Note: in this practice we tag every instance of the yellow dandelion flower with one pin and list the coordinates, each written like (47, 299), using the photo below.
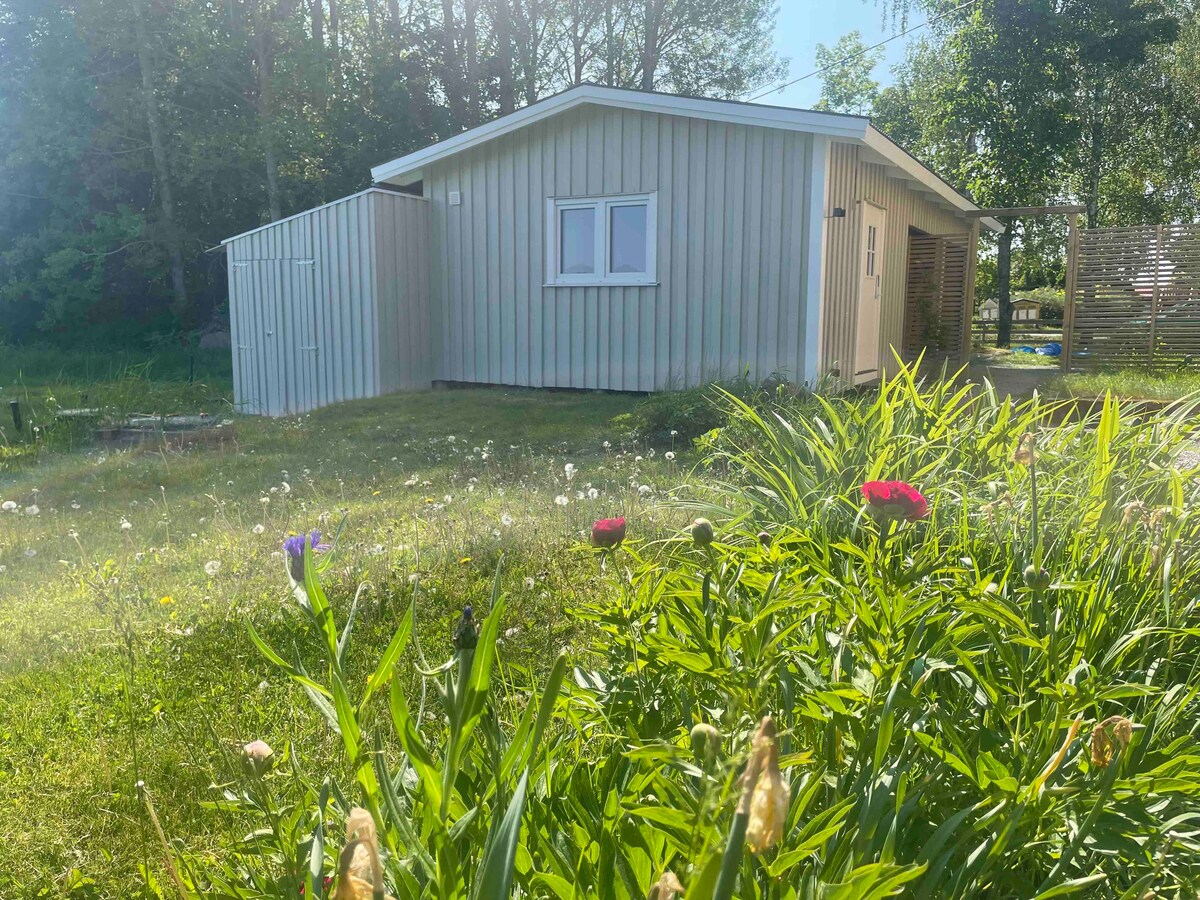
(464, 560)
(167, 600)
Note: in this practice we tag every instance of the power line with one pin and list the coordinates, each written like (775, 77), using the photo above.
(864, 51)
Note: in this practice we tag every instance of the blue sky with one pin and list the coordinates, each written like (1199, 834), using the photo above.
(802, 24)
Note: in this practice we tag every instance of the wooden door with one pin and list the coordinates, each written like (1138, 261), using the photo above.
(870, 293)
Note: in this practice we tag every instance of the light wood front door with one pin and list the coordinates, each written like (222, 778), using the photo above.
(870, 293)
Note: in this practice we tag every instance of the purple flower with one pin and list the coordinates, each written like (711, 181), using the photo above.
(295, 552)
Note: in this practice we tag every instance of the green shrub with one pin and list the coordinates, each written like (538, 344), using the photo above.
(673, 418)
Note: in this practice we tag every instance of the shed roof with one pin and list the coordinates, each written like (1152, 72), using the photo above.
(407, 169)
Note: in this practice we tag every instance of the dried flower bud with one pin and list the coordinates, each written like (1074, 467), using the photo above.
(1026, 453)
(771, 797)
(1109, 738)
(360, 872)
(702, 532)
(1038, 579)
(1133, 512)
(665, 888)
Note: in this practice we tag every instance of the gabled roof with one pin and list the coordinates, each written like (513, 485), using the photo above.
(407, 169)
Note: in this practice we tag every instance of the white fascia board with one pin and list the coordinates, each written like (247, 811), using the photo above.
(832, 124)
(370, 190)
(901, 159)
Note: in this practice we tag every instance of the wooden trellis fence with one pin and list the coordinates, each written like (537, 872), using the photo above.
(1134, 299)
(938, 297)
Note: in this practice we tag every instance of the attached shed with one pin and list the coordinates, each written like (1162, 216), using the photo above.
(610, 239)
(331, 304)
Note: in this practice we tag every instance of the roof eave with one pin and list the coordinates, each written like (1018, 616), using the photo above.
(923, 175)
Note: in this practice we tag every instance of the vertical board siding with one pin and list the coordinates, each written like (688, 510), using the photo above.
(402, 292)
(731, 232)
(852, 181)
(331, 305)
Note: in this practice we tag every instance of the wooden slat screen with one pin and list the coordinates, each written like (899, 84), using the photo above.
(1137, 300)
(936, 298)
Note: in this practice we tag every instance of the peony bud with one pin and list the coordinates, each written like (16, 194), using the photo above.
(1038, 579)
(258, 755)
(706, 740)
(702, 532)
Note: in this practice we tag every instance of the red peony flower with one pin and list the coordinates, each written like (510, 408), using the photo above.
(608, 533)
(895, 500)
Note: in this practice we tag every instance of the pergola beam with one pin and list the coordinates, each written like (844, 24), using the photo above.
(1022, 211)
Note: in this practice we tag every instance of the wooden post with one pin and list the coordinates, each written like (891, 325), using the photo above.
(14, 407)
(1156, 297)
(969, 293)
(1072, 282)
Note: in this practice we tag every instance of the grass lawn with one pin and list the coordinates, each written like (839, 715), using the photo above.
(927, 622)
(1131, 384)
(148, 562)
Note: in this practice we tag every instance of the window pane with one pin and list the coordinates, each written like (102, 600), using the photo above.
(577, 255)
(627, 239)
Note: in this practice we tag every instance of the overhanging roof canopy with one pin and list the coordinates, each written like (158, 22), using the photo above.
(407, 169)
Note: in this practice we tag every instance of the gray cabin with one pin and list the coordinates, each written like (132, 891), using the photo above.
(610, 239)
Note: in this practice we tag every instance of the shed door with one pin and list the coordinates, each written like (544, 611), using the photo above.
(870, 293)
(302, 350)
(260, 343)
(277, 336)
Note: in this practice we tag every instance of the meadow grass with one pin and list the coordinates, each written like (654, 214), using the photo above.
(103, 586)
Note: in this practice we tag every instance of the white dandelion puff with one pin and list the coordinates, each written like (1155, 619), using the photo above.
(212, 567)
(562, 500)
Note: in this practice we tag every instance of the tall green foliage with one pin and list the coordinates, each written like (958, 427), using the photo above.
(138, 133)
(997, 699)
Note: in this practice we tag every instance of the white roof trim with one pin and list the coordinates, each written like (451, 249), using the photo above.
(370, 190)
(832, 124)
(407, 169)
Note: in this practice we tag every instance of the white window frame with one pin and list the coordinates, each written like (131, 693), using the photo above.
(602, 230)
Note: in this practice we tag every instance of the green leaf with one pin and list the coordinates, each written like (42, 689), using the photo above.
(559, 886)
(1074, 886)
(418, 753)
(383, 671)
(495, 876)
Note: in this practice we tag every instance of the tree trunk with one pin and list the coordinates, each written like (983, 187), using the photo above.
(372, 21)
(1096, 155)
(610, 50)
(316, 13)
(335, 54)
(265, 64)
(1004, 285)
(158, 148)
(504, 50)
(649, 60)
(471, 47)
(529, 43)
(456, 95)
